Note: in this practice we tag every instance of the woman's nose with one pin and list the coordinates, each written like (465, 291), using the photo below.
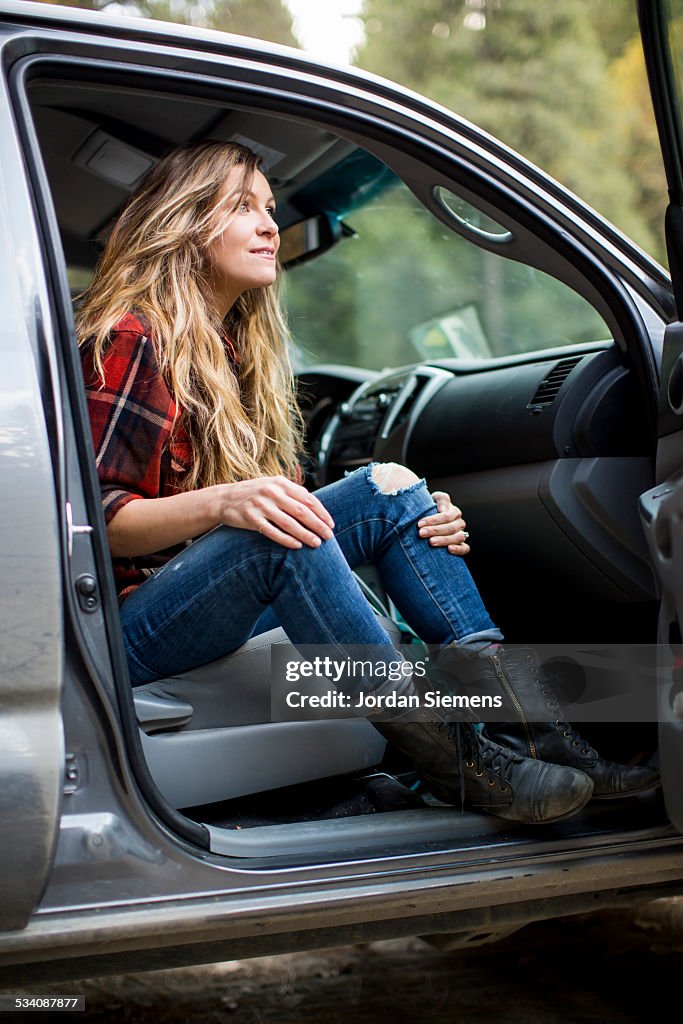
(268, 226)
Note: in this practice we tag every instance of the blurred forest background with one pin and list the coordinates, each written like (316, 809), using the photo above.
(563, 83)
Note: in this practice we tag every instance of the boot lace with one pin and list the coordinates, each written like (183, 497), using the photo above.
(495, 759)
(485, 756)
(568, 730)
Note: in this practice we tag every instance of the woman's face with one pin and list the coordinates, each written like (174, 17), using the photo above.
(243, 256)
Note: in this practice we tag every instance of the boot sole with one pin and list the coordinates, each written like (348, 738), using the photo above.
(518, 821)
(631, 792)
(546, 821)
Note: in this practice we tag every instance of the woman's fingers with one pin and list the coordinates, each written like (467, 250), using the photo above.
(456, 543)
(452, 536)
(277, 508)
(445, 528)
(317, 506)
(281, 508)
(291, 526)
(459, 549)
(306, 518)
(442, 500)
(304, 497)
(438, 530)
(446, 513)
(267, 529)
(295, 512)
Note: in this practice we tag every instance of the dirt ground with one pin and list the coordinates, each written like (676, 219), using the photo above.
(613, 968)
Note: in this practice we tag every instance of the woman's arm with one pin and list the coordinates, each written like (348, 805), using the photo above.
(273, 505)
(132, 414)
(147, 525)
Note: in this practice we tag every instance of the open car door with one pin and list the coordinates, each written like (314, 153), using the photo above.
(661, 26)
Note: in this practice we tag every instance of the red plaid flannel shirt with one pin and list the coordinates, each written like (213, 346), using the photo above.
(141, 447)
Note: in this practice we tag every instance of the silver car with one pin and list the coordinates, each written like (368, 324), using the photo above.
(515, 349)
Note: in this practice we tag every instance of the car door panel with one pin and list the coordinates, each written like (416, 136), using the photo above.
(661, 506)
(31, 654)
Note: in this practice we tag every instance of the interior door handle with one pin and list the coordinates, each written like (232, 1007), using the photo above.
(71, 529)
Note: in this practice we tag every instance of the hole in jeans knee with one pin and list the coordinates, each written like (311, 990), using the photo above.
(391, 478)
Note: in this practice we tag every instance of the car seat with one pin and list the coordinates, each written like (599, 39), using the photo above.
(207, 734)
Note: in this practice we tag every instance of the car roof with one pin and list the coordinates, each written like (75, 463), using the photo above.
(73, 116)
(90, 134)
(408, 109)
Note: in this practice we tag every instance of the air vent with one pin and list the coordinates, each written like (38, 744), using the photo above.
(548, 389)
(411, 392)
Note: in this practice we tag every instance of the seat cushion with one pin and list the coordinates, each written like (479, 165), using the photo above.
(208, 737)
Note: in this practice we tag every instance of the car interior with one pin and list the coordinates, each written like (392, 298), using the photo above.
(430, 327)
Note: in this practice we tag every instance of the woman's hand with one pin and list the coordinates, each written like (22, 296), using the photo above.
(445, 529)
(277, 508)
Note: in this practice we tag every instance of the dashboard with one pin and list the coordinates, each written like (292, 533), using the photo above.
(552, 452)
(444, 421)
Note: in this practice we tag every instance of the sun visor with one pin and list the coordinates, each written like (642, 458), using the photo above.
(115, 161)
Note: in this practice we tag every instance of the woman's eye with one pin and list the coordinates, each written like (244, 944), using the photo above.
(244, 207)
(270, 210)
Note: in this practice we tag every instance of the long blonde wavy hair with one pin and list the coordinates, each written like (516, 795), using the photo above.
(156, 264)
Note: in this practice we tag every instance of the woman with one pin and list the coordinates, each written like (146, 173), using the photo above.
(197, 436)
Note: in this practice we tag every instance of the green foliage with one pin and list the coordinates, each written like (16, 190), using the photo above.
(539, 76)
(563, 83)
(615, 23)
(263, 19)
(85, 5)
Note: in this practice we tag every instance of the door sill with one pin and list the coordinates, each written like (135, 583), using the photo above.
(441, 828)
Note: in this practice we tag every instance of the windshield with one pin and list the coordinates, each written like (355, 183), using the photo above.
(401, 287)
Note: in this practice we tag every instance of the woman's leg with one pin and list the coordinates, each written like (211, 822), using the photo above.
(435, 593)
(206, 601)
(437, 596)
(434, 590)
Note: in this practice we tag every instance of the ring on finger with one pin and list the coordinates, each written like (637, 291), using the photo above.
(465, 534)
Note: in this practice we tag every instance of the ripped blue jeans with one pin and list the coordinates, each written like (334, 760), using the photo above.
(232, 584)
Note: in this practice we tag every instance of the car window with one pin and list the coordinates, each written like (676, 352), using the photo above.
(78, 278)
(674, 15)
(401, 287)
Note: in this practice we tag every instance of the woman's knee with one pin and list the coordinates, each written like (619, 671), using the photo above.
(391, 477)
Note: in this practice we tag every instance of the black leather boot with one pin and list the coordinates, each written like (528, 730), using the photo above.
(518, 677)
(461, 766)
